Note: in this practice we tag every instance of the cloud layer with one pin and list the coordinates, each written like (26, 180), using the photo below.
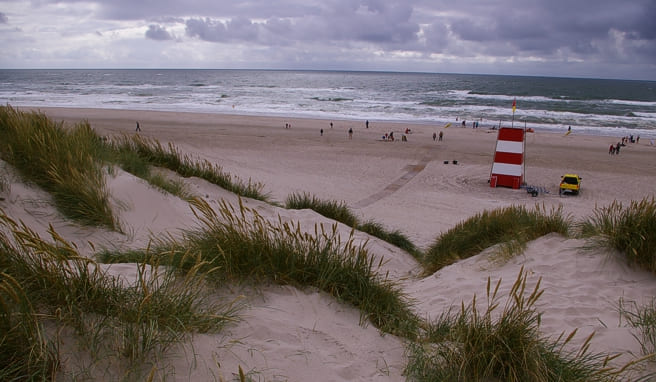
(591, 38)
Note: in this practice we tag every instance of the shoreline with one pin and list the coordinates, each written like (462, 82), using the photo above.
(437, 123)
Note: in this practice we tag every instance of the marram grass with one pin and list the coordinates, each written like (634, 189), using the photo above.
(512, 226)
(154, 153)
(61, 161)
(339, 211)
(241, 245)
(465, 344)
(114, 323)
(643, 318)
(629, 229)
(25, 353)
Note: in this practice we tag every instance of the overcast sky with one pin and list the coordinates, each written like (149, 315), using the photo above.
(573, 38)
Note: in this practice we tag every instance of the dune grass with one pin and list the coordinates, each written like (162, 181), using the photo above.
(241, 245)
(340, 212)
(137, 149)
(62, 161)
(512, 226)
(643, 318)
(629, 229)
(115, 323)
(25, 353)
(466, 344)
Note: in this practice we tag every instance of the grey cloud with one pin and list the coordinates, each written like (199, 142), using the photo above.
(206, 29)
(549, 31)
(159, 33)
(237, 30)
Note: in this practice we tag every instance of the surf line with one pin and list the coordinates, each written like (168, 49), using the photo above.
(411, 172)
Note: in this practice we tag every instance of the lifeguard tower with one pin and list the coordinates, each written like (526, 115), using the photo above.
(508, 166)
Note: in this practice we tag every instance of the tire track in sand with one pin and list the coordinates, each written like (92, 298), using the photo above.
(410, 172)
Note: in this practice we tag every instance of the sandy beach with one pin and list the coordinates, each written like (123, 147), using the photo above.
(420, 186)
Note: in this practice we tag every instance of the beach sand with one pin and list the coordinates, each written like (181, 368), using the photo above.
(298, 335)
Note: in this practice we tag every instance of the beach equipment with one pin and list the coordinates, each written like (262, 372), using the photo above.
(508, 166)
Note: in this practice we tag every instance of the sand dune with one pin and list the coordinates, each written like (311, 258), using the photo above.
(301, 335)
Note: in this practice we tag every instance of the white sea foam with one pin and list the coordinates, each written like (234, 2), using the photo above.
(418, 98)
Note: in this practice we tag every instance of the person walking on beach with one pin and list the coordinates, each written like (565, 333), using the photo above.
(366, 124)
(321, 132)
(138, 128)
(440, 136)
(434, 137)
(331, 125)
(350, 133)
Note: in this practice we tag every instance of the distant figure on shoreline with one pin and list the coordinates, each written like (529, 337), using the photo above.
(321, 132)
(350, 133)
(434, 137)
(138, 128)
(440, 137)
(366, 124)
(331, 125)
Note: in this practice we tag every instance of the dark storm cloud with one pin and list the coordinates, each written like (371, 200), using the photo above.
(159, 33)
(369, 21)
(599, 32)
(583, 28)
(545, 26)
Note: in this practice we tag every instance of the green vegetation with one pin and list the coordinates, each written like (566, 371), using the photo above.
(139, 149)
(630, 230)
(241, 245)
(513, 226)
(5, 185)
(49, 282)
(340, 212)
(25, 354)
(643, 318)
(61, 161)
(467, 345)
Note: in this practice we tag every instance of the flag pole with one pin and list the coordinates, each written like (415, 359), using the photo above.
(513, 116)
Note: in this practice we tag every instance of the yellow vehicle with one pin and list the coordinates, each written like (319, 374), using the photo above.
(570, 184)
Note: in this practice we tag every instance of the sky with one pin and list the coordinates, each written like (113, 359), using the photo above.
(567, 38)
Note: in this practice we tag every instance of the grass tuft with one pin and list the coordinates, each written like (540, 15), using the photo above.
(61, 161)
(468, 345)
(25, 353)
(630, 230)
(512, 226)
(240, 245)
(114, 321)
(140, 149)
(643, 318)
(340, 212)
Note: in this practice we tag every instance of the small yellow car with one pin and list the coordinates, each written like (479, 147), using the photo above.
(570, 184)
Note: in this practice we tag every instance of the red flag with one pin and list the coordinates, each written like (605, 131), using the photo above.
(514, 105)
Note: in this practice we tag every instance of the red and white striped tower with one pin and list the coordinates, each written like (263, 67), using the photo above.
(508, 165)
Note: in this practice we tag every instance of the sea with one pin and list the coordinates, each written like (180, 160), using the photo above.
(605, 107)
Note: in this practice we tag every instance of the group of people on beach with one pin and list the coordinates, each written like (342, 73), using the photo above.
(615, 149)
(386, 137)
